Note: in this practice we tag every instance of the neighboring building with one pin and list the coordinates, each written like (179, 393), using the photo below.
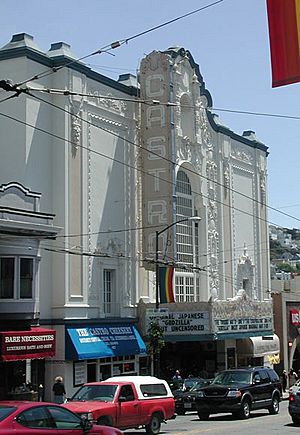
(72, 165)
(286, 304)
(194, 165)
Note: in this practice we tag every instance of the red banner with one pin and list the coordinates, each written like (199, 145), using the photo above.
(20, 345)
(295, 317)
(284, 34)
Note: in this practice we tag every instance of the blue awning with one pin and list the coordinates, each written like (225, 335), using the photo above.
(102, 341)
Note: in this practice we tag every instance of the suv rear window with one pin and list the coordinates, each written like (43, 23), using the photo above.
(150, 390)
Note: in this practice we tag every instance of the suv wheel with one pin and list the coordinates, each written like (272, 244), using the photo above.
(203, 415)
(153, 428)
(296, 420)
(274, 408)
(245, 410)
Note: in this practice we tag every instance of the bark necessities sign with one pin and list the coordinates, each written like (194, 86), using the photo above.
(20, 345)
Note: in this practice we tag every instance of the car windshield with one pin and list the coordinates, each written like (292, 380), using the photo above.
(198, 385)
(5, 411)
(232, 377)
(103, 393)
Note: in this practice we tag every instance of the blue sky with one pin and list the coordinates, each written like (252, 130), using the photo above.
(230, 43)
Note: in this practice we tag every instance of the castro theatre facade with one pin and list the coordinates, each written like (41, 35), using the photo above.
(193, 165)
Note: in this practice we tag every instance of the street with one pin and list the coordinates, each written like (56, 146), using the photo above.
(260, 423)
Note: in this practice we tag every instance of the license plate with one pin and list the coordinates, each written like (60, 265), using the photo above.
(188, 405)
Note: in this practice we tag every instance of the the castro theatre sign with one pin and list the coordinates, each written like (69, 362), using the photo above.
(158, 173)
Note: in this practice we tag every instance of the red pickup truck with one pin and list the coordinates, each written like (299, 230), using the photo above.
(125, 402)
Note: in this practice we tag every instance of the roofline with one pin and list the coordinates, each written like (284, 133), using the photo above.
(74, 64)
(204, 92)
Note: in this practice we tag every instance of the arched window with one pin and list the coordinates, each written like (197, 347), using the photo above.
(187, 285)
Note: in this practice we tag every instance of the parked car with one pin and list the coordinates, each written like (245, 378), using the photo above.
(31, 418)
(294, 405)
(125, 402)
(239, 391)
(185, 398)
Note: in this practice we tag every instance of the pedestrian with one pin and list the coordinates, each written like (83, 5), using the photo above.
(59, 390)
(292, 377)
(177, 376)
(284, 380)
(40, 393)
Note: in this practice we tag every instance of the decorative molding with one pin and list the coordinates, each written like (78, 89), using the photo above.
(189, 152)
(239, 154)
(226, 175)
(117, 106)
(263, 178)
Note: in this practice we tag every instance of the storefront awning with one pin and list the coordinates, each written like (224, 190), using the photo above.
(101, 341)
(20, 345)
(259, 346)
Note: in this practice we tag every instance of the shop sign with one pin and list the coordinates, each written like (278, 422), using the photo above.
(20, 345)
(180, 323)
(295, 317)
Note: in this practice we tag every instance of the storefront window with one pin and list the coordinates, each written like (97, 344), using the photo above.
(7, 274)
(16, 278)
(26, 277)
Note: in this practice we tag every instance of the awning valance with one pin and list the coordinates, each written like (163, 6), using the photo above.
(101, 341)
(20, 345)
(259, 346)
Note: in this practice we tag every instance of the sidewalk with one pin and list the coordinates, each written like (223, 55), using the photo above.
(285, 395)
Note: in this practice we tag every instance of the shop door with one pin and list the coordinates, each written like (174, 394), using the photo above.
(91, 371)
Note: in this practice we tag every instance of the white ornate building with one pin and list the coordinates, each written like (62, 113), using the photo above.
(100, 169)
(195, 166)
(75, 154)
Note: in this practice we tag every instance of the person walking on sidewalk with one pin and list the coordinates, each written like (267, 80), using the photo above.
(284, 380)
(59, 390)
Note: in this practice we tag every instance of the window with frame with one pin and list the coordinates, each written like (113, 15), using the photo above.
(108, 290)
(187, 285)
(16, 277)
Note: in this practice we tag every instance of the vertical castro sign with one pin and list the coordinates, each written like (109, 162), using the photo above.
(158, 174)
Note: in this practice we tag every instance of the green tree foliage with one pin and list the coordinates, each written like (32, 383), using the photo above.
(155, 338)
(285, 267)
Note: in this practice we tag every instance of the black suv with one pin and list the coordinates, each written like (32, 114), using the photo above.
(239, 391)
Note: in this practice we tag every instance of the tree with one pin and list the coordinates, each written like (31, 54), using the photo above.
(156, 342)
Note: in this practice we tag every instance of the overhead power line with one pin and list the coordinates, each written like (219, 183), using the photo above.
(113, 45)
(67, 92)
(169, 161)
(139, 169)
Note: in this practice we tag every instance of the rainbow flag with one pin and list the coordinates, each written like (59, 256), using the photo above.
(284, 34)
(166, 284)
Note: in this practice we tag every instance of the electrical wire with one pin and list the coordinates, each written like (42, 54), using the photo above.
(65, 92)
(139, 169)
(107, 48)
(173, 163)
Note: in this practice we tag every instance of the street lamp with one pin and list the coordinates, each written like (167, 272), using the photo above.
(158, 233)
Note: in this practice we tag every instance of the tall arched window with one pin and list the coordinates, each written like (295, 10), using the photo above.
(187, 285)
